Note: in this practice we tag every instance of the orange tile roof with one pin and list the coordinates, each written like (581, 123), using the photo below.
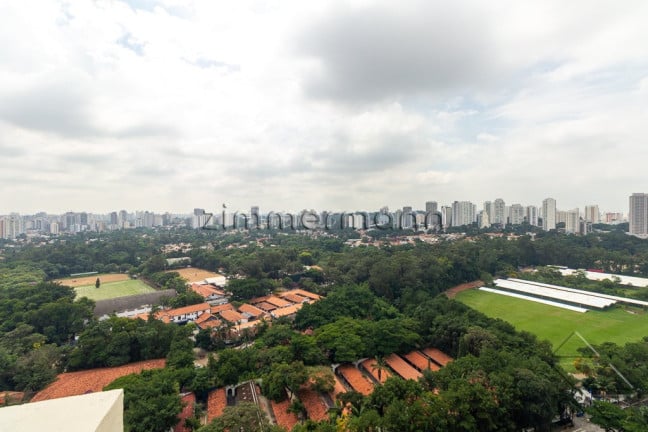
(285, 311)
(294, 297)
(216, 403)
(187, 309)
(355, 379)
(284, 418)
(304, 293)
(370, 366)
(401, 367)
(279, 302)
(265, 306)
(204, 317)
(438, 356)
(338, 388)
(315, 406)
(420, 361)
(231, 316)
(188, 402)
(92, 380)
(252, 310)
(215, 323)
(205, 290)
(220, 308)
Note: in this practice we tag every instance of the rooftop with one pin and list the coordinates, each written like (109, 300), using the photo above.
(401, 367)
(95, 412)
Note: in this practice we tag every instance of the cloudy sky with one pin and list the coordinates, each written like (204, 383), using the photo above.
(171, 104)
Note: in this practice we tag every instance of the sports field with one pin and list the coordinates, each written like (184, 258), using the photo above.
(90, 280)
(192, 274)
(110, 290)
(555, 324)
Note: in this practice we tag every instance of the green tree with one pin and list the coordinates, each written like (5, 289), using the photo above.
(244, 417)
(97, 283)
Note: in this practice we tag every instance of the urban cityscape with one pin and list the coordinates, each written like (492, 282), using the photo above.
(496, 213)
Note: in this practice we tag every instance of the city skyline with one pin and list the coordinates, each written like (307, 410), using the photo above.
(169, 106)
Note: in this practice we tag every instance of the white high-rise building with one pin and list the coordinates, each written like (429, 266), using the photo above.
(463, 213)
(517, 214)
(532, 215)
(549, 214)
(572, 221)
(638, 216)
(499, 212)
(592, 214)
(446, 216)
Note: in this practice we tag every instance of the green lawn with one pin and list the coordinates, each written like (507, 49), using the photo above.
(555, 324)
(110, 290)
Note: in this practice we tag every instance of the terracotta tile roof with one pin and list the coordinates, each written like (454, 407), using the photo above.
(338, 388)
(93, 380)
(220, 308)
(355, 379)
(279, 302)
(304, 293)
(187, 309)
(370, 366)
(252, 310)
(265, 306)
(284, 418)
(203, 317)
(438, 356)
(294, 298)
(188, 402)
(205, 290)
(212, 323)
(401, 367)
(315, 406)
(420, 361)
(216, 403)
(231, 316)
(285, 311)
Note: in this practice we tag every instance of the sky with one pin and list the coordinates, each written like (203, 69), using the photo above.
(172, 104)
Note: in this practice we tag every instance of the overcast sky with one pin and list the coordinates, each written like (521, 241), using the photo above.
(170, 105)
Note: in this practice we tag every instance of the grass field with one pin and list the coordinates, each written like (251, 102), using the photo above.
(555, 325)
(90, 280)
(110, 290)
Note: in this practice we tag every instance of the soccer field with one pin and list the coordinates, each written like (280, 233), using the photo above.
(110, 290)
(555, 324)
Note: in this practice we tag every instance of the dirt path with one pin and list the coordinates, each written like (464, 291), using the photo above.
(452, 292)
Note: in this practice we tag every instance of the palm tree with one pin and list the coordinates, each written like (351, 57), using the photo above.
(379, 366)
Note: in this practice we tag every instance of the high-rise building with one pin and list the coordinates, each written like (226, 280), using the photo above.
(572, 221)
(592, 214)
(638, 216)
(489, 211)
(549, 214)
(463, 213)
(499, 212)
(446, 216)
(531, 215)
(613, 218)
(517, 214)
(407, 218)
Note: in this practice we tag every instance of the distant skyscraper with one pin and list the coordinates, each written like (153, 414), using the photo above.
(488, 209)
(408, 218)
(532, 215)
(463, 213)
(549, 214)
(638, 216)
(431, 206)
(572, 221)
(499, 210)
(446, 216)
(517, 214)
(592, 214)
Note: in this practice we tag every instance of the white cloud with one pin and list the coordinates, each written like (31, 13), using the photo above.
(168, 105)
